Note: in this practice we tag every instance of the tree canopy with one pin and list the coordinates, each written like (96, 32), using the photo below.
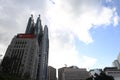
(102, 76)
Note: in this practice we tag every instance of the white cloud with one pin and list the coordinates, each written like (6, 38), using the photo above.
(88, 61)
(104, 17)
(109, 0)
(116, 19)
(63, 51)
(76, 19)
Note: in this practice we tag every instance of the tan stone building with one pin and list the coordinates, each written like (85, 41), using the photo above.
(72, 73)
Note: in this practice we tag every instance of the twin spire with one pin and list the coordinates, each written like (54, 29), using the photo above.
(34, 28)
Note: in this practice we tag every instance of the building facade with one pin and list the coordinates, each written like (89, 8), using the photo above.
(60, 72)
(27, 55)
(51, 73)
(112, 71)
(73, 73)
(21, 57)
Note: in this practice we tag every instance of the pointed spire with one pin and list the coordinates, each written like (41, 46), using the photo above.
(46, 28)
(38, 18)
(38, 25)
(31, 15)
(30, 25)
(46, 31)
(39, 15)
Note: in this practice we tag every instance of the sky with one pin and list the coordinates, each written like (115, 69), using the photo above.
(84, 33)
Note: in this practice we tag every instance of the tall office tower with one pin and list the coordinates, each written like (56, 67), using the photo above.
(116, 64)
(118, 58)
(27, 55)
(73, 73)
(44, 56)
(21, 58)
(51, 73)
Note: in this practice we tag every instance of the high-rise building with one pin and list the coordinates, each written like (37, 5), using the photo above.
(116, 64)
(22, 57)
(51, 73)
(73, 73)
(118, 58)
(27, 55)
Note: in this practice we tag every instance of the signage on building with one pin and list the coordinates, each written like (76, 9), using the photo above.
(25, 36)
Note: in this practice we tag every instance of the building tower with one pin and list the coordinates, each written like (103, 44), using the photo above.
(27, 55)
(118, 58)
(116, 63)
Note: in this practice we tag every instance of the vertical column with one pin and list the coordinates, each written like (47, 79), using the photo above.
(43, 75)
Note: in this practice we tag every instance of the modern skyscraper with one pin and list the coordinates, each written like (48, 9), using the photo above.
(72, 73)
(27, 55)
